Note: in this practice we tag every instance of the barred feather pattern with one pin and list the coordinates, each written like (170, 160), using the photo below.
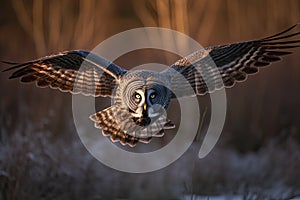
(71, 71)
(126, 131)
(215, 67)
(105, 120)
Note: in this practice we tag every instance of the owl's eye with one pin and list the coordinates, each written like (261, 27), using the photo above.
(153, 95)
(137, 96)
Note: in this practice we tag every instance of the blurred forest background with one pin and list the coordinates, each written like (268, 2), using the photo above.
(41, 156)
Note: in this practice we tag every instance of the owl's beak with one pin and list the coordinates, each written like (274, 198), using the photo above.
(145, 107)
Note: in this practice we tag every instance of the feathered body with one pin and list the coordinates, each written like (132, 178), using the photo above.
(129, 119)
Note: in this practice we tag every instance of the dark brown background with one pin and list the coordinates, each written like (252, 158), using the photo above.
(41, 154)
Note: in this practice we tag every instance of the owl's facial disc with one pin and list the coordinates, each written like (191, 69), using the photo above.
(146, 103)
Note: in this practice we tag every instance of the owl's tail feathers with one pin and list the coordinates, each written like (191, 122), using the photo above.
(105, 120)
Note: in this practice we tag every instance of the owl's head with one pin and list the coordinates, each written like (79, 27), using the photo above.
(145, 95)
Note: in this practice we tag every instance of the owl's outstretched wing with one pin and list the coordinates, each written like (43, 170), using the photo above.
(76, 71)
(233, 62)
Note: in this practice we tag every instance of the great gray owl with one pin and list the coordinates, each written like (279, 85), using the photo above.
(141, 97)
